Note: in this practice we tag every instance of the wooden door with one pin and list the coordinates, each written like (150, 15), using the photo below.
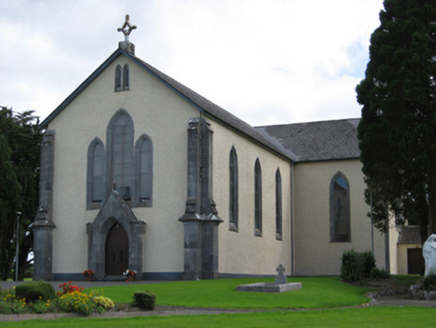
(117, 251)
(415, 261)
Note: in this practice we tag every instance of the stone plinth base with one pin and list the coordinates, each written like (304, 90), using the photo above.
(264, 287)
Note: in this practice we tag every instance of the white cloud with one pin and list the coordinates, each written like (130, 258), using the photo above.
(274, 61)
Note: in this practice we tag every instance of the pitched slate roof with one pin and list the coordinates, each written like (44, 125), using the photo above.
(205, 106)
(212, 110)
(409, 235)
(316, 141)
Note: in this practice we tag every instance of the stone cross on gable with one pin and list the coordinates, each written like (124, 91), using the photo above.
(127, 28)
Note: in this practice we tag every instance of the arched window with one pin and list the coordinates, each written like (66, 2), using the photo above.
(257, 199)
(233, 191)
(95, 179)
(279, 205)
(126, 77)
(144, 150)
(339, 209)
(129, 169)
(120, 145)
(118, 78)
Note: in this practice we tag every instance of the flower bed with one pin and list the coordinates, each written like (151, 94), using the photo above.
(70, 298)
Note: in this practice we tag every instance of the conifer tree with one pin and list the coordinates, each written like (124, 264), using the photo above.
(10, 201)
(20, 139)
(397, 132)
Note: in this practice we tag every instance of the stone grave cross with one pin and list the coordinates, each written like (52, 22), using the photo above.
(281, 278)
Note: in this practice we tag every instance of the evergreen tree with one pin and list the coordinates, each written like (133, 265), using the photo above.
(397, 132)
(10, 202)
(19, 167)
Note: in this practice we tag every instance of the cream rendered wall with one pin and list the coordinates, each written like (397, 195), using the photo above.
(402, 257)
(242, 252)
(156, 111)
(314, 253)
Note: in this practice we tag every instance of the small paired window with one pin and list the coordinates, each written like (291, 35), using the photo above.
(122, 78)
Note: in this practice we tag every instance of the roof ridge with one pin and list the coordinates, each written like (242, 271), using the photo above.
(307, 123)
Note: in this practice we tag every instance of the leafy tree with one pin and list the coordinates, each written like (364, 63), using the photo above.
(398, 126)
(20, 139)
(10, 201)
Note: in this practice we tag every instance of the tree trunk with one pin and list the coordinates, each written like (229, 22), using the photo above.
(432, 204)
(422, 212)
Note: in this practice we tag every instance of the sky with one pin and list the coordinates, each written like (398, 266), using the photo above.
(265, 61)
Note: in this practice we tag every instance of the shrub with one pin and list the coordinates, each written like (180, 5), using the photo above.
(104, 302)
(349, 267)
(379, 273)
(429, 282)
(367, 262)
(35, 290)
(356, 266)
(144, 300)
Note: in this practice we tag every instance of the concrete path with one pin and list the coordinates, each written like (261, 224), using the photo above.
(400, 300)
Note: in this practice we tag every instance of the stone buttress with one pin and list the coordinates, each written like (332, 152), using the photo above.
(201, 217)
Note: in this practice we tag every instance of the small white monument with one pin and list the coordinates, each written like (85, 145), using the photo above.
(429, 253)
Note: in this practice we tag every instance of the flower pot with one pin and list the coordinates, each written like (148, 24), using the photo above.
(131, 278)
(88, 278)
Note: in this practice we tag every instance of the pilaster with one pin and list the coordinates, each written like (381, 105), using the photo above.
(43, 225)
(201, 217)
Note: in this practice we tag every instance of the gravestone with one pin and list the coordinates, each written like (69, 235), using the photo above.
(279, 286)
(281, 278)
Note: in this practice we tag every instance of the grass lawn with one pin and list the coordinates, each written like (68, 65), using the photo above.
(386, 317)
(406, 280)
(319, 292)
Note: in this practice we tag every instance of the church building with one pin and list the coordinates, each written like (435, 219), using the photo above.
(140, 172)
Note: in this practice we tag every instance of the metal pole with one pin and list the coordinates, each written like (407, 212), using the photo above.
(18, 239)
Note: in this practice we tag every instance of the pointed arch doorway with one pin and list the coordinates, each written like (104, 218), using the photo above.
(104, 246)
(116, 251)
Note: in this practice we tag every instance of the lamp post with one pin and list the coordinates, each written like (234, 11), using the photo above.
(18, 240)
